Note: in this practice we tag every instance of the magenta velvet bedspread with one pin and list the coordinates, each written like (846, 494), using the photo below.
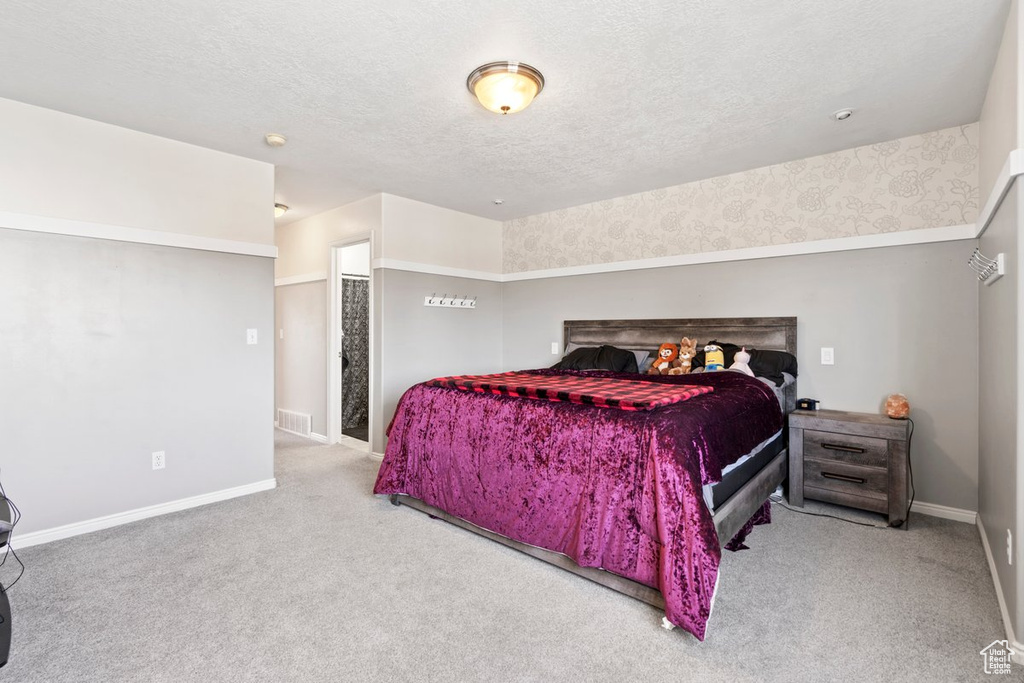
(619, 490)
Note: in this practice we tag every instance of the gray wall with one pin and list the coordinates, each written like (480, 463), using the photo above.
(420, 342)
(998, 405)
(112, 351)
(301, 357)
(900, 319)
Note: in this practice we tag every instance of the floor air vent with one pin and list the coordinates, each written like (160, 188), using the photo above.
(296, 423)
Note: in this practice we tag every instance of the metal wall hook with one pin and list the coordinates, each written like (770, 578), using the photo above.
(453, 301)
(988, 270)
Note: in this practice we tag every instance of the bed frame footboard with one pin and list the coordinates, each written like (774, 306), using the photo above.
(617, 583)
(729, 519)
(741, 506)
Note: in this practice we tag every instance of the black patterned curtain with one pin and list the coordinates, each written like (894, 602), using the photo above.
(355, 377)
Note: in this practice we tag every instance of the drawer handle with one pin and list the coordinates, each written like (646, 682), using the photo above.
(840, 447)
(843, 477)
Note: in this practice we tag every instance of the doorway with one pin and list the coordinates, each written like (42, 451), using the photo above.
(351, 292)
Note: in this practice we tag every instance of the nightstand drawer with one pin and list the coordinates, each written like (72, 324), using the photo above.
(849, 448)
(843, 498)
(868, 482)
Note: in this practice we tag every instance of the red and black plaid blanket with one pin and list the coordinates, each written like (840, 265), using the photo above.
(603, 392)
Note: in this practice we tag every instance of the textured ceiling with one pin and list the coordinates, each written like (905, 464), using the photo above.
(372, 96)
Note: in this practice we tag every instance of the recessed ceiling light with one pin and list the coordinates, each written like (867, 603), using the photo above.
(276, 139)
(499, 202)
(842, 114)
(280, 210)
(505, 87)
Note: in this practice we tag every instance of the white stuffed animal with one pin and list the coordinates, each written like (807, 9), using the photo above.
(740, 362)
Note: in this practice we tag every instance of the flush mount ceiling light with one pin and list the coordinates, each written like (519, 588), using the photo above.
(275, 139)
(505, 87)
(842, 114)
(280, 210)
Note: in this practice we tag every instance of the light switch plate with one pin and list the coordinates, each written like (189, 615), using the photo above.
(554, 348)
(828, 355)
(250, 336)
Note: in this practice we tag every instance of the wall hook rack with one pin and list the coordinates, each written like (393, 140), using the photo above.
(988, 270)
(453, 301)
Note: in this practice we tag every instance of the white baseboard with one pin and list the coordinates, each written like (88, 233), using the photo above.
(933, 510)
(1018, 648)
(318, 437)
(311, 437)
(377, 456)
(76, 529)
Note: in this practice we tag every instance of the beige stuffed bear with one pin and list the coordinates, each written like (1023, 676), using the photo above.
(687, 350)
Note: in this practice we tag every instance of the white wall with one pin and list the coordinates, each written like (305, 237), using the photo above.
(1000, 130)
(300, 365)
(355, 259)
(114, 350)
(998, 404)
(425, 342)
(304, 250)
(303, 246)
(428, 234)
(1000, 488)
(62, 166)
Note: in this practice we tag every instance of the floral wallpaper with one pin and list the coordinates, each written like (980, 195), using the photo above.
(922, 181)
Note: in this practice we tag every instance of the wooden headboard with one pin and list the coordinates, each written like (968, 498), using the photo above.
(777, 334)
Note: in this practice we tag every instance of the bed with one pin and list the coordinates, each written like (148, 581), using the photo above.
(635, 500)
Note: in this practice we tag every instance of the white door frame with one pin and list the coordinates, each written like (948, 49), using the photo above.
(334, 347)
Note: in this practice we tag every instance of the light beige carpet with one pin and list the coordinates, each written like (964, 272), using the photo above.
(320, 581)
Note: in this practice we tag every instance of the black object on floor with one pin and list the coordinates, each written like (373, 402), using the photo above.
(362, 432)
(7, 521)
(5, 626)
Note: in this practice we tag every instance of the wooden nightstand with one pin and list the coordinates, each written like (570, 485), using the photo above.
(854, 459)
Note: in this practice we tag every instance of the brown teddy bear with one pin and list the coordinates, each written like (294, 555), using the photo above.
(667, 360)
(687, 350)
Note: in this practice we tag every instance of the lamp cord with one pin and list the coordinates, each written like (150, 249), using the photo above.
(778, 501)
(910, 471)
(15, 518)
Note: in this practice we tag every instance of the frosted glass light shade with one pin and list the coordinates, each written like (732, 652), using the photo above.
(505, 87)
(280, 210)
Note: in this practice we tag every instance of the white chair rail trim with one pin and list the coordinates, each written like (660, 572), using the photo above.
(122, 233)
(889, 239)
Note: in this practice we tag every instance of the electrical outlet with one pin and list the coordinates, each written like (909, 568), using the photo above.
(250, 336)
(828, 355)
(1009, 547)
(554, 348)
(159, 460)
